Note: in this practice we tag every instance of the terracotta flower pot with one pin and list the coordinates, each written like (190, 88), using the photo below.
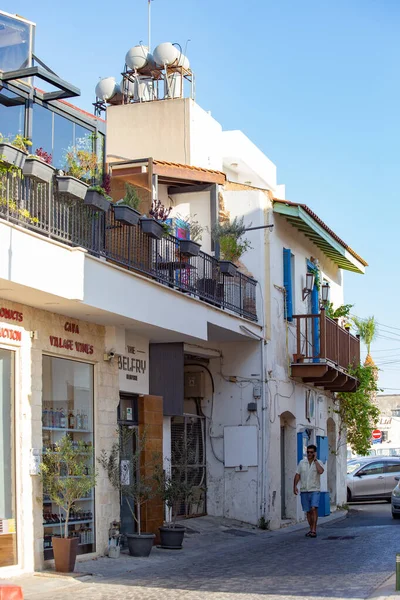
(65, 551)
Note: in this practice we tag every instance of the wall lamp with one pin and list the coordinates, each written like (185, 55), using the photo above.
(325, 292)
(310, 281)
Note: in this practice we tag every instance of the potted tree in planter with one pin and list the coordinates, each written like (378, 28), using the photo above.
(175, 488)
(67, 474)
(81, 166)
(190, 246)
(155, 225)
(126, 209)
(126, 474)
(38, 166)
(229, 236)
(14, 153)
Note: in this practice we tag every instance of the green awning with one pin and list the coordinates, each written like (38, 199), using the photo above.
(314, 229)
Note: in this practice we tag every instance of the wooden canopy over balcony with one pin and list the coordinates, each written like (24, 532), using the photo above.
(325, 353)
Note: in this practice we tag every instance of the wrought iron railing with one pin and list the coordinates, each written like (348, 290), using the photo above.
(320, 338)
(38, 207)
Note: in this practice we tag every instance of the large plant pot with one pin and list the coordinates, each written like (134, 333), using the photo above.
(97, 201)
(189, 248)
(12, 156)
(140, 545)
(152, 228)
(228, 268)
(126, 214)
(172, 537)
(72, 187)
(38, 170)
(65, 551)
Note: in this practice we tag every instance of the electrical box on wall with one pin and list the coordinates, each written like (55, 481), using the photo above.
(194, 384)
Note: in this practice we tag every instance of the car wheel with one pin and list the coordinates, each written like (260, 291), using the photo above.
(348, 495)
(395, 515)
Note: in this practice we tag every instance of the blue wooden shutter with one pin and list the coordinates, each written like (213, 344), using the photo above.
(287, 283)
(322, 448)
(300, 452)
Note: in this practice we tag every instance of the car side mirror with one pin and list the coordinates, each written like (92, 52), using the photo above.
(397, 478)
(360, 473)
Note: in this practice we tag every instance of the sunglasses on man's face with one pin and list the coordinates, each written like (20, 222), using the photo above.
(310, 451)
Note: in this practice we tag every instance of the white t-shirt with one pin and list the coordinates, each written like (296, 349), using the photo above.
(309, 476)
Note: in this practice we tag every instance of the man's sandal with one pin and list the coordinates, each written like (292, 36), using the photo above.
(309, 534)
(312, 534)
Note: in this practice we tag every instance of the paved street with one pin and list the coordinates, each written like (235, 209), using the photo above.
(349, 559)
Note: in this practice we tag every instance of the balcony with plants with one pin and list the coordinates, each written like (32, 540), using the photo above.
(116, 220)
(327, 353)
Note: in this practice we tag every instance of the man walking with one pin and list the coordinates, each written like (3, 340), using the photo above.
(308, 472)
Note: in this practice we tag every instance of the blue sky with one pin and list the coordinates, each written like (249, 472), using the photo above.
(314, 84)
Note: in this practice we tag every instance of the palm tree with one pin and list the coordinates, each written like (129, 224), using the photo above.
(367, 329)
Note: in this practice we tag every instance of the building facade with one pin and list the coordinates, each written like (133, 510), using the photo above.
(104, 324)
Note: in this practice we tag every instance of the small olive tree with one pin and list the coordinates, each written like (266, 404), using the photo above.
(67, 474)
(128, 473)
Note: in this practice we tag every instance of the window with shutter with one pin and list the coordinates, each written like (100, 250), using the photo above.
(288, 282)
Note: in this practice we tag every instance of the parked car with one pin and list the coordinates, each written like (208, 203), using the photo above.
(372, 478)
(396, 500)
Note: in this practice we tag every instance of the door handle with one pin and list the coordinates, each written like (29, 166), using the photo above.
(381, 477)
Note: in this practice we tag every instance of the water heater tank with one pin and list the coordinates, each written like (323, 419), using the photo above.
(106, 88)
(165, 54)
(128, 87)
(183, 61)
(137, 57)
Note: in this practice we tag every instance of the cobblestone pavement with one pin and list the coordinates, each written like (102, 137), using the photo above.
(343, 562)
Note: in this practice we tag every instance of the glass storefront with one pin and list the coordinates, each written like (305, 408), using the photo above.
(8, 535)
(67, 409)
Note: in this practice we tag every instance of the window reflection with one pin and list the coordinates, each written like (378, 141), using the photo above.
(42, 129)
(15, 43)
(12, 114)
(63, 138)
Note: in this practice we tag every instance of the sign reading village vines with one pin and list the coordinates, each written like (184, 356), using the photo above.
(133, 367)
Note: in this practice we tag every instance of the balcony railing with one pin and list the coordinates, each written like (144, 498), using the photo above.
(38, 207)
(320, 338)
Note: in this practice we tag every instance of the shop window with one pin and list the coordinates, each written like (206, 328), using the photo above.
(42, 129)
(8, 541)
(12, 114)
(68, 410)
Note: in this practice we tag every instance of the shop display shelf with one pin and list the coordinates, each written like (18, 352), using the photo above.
(66, 429)
(69, 523)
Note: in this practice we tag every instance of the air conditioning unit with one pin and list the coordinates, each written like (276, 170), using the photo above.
(194, 384)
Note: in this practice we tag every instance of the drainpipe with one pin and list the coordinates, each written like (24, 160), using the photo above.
(263, 427)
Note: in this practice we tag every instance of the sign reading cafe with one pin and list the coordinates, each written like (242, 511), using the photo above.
(133, 367)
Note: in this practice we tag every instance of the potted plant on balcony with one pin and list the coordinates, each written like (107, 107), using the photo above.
(155, 224)
(126, 209)
(97, 198)
(190, 246)
(14, 152)
(67, 474)
(129, 476)
(38, 166)
(229, 236)
(80, 166)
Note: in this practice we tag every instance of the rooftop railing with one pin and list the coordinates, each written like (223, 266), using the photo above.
(40, 208)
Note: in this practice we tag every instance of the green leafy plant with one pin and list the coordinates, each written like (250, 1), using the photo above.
(100, 190)
(127, 473)
(367, 329)
(192, 226)
(263, 523)
(131, 197)
(18, 212)
(229, 237)
(340, 311)
(357, 411)
(19, 141)
(67, 474)
(81, 160)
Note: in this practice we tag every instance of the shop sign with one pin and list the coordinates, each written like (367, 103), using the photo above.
(73, 346)
(133, 367)
(7, 333)
(11, 315)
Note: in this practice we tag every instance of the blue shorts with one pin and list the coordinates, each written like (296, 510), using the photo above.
(309, 500)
